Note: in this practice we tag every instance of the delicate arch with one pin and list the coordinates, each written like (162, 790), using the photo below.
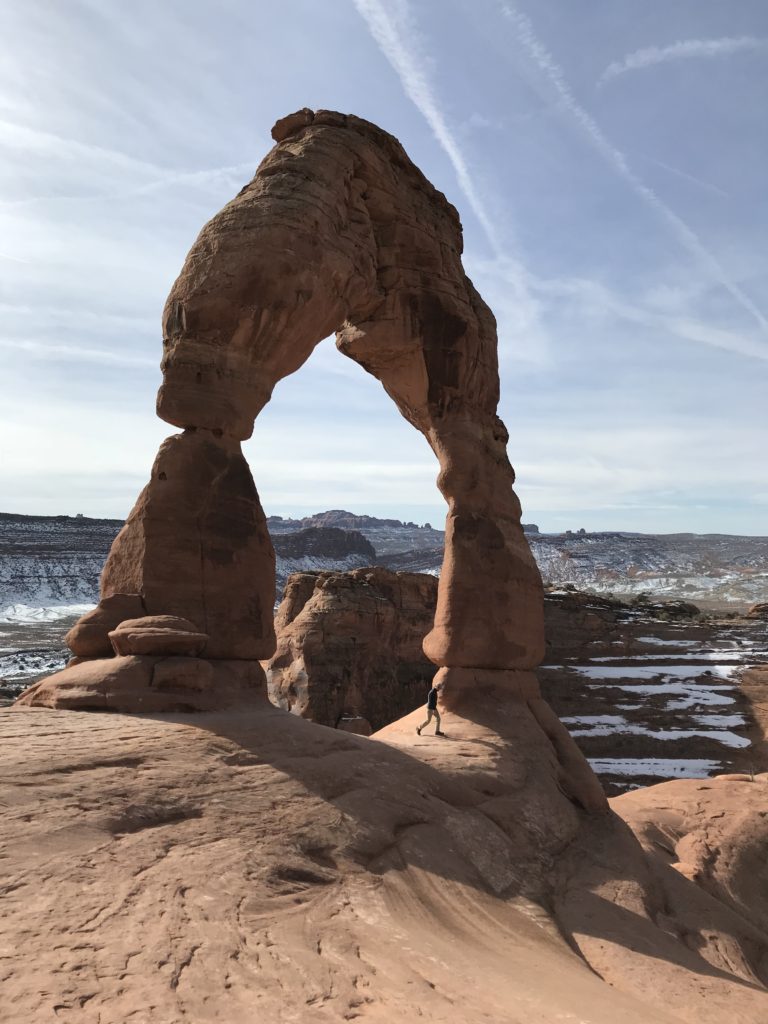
(337, 231)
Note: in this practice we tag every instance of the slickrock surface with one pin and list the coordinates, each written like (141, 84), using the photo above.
(349, 646)
(251, 865)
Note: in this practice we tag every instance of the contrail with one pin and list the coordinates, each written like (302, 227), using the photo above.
(690, 177)
(685, 235)
(687, 328)
(684, 50)
(393, 29)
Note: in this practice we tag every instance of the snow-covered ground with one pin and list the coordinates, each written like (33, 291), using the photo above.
(679, 712)
(661, 767)
(28, 614)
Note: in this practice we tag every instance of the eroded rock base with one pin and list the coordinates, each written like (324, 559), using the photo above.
(147, 683)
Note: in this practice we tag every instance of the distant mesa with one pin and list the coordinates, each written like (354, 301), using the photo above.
(329, 542)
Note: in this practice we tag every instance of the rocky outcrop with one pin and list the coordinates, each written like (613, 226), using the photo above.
(349, 647)
(324, 541)
(149, 683)
(758, 611)
(90, 636)
(339, 519)
(196, 546)
(158, 634)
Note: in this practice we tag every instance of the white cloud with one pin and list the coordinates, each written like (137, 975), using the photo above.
(688, 238)
(684, 50)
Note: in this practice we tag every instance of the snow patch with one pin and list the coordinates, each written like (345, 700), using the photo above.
(25, 613)
(650, 671)
(669, 767)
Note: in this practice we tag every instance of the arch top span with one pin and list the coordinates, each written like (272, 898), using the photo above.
(337, 232)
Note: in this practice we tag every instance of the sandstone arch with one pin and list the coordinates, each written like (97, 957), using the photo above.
(337, 232)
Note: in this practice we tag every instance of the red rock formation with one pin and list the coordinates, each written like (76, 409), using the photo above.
(158, 634)
(149, 683)
(349, 646)
(337, 232)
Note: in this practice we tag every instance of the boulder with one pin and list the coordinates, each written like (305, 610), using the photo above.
(349, 646)
(158, 634)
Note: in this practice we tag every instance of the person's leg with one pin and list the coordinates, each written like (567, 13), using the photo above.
(438, 727)
(425, 724)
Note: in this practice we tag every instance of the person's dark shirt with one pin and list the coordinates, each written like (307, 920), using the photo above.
(432, 699)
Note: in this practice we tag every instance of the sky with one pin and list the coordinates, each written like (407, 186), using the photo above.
(607, 158)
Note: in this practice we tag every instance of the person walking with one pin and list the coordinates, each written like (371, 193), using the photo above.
(432, 711)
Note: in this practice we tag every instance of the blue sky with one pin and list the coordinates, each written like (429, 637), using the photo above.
(608, 160)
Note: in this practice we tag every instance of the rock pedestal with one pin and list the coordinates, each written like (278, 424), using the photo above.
(196, 546)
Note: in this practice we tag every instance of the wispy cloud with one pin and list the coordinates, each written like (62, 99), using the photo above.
(12, 259)
(393, 28)
(77, 353)
(33, 141)
(685, 235)
(116, 175)
(684, 50)
(593, 298)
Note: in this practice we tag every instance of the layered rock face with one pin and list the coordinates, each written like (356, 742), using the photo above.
(324, 541)
(349, 647)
